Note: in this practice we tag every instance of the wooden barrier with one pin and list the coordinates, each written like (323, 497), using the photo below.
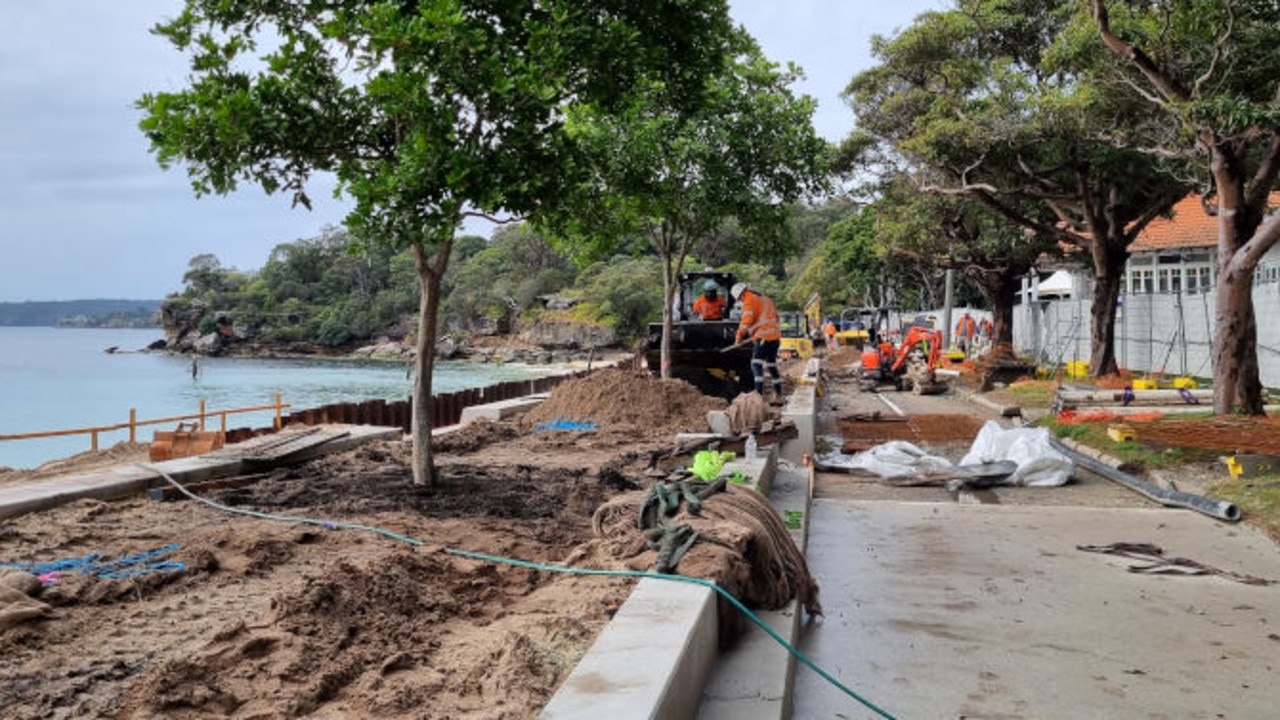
(134, 423)
(446, 409)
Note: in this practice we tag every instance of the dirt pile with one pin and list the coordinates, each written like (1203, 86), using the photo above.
(616, 398)
(123, 453)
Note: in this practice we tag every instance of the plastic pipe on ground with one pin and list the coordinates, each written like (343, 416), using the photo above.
(1220, 509)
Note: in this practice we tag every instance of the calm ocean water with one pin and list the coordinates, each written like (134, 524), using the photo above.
(55, 378)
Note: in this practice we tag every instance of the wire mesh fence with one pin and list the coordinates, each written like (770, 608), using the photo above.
(1156, 333)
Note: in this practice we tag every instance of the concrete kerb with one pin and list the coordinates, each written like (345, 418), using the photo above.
(659, 656)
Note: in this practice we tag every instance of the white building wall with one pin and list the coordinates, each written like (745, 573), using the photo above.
(1155, 333)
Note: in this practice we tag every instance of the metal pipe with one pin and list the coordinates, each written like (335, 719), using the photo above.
(1220, 509)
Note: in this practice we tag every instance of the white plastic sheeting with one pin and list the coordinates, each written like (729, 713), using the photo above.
(1039, 464)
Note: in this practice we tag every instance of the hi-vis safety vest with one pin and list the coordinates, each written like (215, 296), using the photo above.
(759, 318)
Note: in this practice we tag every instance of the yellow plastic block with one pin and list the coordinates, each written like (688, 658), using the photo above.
(1121, 432)
(1145, 384)
(1078, 369)
(1253, 465)
(1185, 383)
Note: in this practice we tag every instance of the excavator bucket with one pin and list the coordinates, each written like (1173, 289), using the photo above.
(185, 441)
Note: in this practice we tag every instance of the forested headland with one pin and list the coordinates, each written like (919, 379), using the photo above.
(81, 313)
(334, 293)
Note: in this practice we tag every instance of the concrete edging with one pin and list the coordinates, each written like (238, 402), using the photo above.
(659, 658)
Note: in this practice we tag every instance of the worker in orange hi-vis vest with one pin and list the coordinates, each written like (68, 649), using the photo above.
(966, 328)
(709, 305)
(759, 322)
(829, 329)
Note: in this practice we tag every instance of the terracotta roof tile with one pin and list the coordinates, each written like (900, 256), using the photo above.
(1189, 227)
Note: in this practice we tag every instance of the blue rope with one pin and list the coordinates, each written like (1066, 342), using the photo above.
(794, 651)
(125, 566)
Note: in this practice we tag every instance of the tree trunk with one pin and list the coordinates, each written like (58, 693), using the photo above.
(668, 296)
(1000, 288)
(429, 275)
(1002, 303)
(1110, 254)
(1102, 314)
(1237, 386)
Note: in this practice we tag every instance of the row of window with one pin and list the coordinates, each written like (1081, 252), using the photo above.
(1191, 279)
(1192, 275)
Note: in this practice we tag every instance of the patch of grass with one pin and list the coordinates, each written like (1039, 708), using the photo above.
(1026, 393)
(1257, 498)
(1133, 453)
(1033, 394)
(793, 519)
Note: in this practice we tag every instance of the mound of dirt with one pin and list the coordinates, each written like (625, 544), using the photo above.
(123, 453)
(616, 397)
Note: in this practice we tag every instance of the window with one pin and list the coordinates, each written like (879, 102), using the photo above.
(1141, 282)
(1169, 279)
(1199, 279)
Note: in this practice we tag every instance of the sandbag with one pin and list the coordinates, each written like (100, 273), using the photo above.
(747, 412)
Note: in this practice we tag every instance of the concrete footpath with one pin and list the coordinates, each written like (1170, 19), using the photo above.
(986, 611)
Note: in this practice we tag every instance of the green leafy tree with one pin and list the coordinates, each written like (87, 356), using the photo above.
(1208, 71)
(426, 112)
(505, 278)
(956, 232)
(205, 274)
(624, 292)
(678, 176)
(976, 102)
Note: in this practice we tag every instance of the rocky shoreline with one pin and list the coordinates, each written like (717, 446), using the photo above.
(548, 341)
(483, 350)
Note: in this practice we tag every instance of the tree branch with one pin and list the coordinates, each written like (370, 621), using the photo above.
(1218, 49)
(485, 216)
(1167, 87)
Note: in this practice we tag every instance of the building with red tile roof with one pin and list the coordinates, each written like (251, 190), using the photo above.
(1188, 226)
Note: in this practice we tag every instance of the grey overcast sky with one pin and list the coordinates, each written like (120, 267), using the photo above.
(85, 212)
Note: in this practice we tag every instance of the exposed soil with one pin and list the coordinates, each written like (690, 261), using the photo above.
(862, 431)
(1228, 435)
(270, 619)
(120, 454)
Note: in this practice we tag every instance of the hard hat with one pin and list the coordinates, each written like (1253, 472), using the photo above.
(737, 290)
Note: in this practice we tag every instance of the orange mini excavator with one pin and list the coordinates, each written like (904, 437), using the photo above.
(910, 365)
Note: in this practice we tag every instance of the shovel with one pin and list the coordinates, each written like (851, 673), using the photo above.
(736, 345)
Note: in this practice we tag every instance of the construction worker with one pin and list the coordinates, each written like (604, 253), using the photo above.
(985, 331)
(709, 306)
(966, 328)
(829, 330)
(759, 322)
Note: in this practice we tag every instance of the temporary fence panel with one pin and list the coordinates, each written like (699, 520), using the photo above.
(1165, 333)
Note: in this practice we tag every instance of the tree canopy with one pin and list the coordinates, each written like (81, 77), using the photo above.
(425, 112)
(678, 176)
(980, 101)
